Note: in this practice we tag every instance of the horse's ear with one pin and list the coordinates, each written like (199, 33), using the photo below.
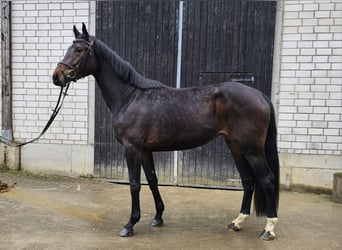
(76, 32)
(85, 32)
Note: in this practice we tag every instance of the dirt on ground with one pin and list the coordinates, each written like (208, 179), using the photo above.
(53, 212)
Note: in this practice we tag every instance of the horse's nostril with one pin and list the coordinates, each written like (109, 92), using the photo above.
(55, 78)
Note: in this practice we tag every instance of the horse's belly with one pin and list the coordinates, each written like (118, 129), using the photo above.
(179, 140)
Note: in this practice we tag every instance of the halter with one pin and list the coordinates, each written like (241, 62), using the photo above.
(72, 74)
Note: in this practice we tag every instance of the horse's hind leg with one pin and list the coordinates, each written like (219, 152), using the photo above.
(148, 166)
(247, 178)
(265, 198)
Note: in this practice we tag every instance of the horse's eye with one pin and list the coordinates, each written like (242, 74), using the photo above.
(78, 49)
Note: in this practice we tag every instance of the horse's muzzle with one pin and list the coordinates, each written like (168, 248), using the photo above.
(58, 78)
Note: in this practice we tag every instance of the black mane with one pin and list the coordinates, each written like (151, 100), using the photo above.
(124, 69)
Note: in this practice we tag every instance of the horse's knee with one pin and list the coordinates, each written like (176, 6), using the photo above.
(135, 187)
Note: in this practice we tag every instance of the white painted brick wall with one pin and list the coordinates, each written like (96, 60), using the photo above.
(41, 33)
(310, 110)
(310, 106)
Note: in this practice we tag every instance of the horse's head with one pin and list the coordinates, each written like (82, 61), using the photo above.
(79, 60)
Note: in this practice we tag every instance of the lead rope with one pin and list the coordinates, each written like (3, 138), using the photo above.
(55, 111)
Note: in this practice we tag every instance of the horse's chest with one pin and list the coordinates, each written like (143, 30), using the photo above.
(130, 129)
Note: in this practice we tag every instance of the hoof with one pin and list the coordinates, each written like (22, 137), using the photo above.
(126, 232)
(156, 222)
(232, 226)
(266, 236)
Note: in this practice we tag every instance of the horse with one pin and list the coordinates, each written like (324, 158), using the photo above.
(149, 116)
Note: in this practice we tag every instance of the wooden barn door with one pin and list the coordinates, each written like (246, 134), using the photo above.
(144, 33)
(221, 41)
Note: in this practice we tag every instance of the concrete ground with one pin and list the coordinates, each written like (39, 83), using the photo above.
(73, 213)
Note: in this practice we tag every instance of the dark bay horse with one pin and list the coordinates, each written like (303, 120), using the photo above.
(149, 116)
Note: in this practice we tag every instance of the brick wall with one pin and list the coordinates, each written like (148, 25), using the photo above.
(310, 107)
(310, 87)
(41, 33)
(310, 74)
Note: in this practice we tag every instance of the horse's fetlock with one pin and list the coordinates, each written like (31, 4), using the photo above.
(160, 207)
(135, 218)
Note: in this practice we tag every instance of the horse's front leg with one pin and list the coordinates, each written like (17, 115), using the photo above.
(148, 165)
(133, 159)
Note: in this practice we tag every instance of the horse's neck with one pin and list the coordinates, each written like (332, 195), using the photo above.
(122, 68)
(114, 91)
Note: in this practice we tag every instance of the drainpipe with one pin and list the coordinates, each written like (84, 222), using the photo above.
(11, 156)
(277, 56)
(276, 78)
(178, 78)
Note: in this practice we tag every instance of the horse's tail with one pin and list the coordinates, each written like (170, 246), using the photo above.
(271, 153)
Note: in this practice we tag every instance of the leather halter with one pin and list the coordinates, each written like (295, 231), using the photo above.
(71, 75)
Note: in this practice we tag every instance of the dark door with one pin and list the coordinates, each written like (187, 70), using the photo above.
(145, 34)
(221, 41)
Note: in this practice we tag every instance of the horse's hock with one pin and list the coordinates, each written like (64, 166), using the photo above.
(337, 187)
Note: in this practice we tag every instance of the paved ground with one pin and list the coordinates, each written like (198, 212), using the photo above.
(74, 213)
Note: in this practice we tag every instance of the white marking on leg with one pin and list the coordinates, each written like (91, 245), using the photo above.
(241, 218)
(270, 225)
